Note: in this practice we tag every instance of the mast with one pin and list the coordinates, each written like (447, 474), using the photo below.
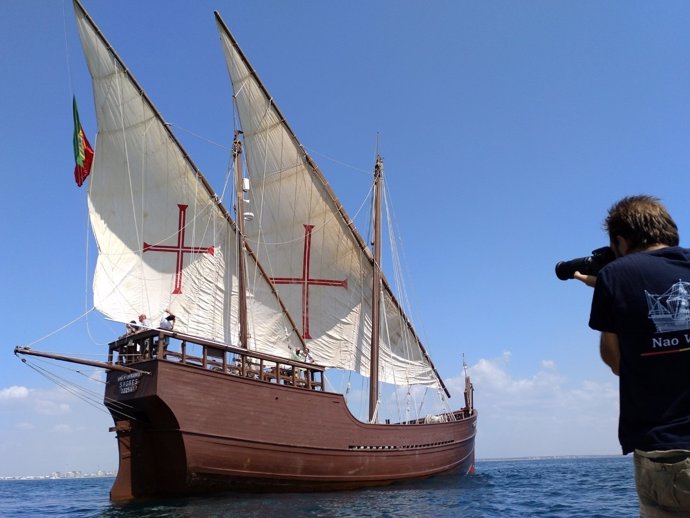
(239, 216)
(376, 293)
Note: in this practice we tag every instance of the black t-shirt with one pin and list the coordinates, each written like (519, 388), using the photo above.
(644, 298)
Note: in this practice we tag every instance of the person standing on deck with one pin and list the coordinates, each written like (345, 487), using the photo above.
(641, 306)
(144, 322)
(167, 321)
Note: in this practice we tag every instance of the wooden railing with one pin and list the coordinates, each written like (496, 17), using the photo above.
(217, 357)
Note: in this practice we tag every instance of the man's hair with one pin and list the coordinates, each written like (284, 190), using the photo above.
(643, 221)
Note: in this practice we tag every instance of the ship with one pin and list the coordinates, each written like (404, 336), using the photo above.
(266, 302)
(670, 311)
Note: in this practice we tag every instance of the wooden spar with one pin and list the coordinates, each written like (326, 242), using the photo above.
(332, 196)
(239, 215)
(191, 164)
(376, 294)
(90, 363)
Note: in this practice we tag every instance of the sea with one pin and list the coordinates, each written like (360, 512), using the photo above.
(591, 487)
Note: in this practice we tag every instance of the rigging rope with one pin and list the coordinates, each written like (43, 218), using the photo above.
(65, 326)
(200, 137)
(84, 394)
(312, 151)
(92, 398)
(375, 414)
(405, 300)
(67, 60)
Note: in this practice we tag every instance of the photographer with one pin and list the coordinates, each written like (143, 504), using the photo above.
(641, 305)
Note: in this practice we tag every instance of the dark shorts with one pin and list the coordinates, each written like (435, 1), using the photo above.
(663, 483)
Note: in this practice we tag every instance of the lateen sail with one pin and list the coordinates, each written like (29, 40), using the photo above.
(303, 237)
(163, 239)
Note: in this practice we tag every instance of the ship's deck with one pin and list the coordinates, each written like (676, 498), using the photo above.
(167, 345)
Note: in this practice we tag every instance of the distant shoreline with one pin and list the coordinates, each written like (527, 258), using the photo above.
(72, 475)
(551, 457)
(68, 475)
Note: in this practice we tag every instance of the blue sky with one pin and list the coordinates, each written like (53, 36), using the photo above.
(507, 129)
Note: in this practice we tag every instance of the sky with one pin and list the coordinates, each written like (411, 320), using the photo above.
(507, 130)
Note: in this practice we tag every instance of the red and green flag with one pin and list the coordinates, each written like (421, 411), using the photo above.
(83, 152)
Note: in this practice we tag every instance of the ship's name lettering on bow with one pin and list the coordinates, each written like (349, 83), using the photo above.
(128, 383)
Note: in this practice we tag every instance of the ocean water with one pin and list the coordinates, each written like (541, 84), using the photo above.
(599, 487)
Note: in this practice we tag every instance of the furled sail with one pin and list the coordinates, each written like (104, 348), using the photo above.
(164, 240)
(315, 257)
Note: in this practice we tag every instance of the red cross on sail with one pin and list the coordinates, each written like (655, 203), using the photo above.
(306, 281)
(180, 248)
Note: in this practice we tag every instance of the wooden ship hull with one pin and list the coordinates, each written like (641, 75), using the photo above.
(191, 426)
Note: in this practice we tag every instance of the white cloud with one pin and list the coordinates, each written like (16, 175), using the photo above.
(78, 432)
(51, 407)
(548, 364)
(13, 392)
(541, 414)
(39, 401)
(493, 378)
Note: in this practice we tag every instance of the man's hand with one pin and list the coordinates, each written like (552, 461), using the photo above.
(589, 280)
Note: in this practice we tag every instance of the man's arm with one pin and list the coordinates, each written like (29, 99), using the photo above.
(609, 347)
(610, 351)
(589, 280)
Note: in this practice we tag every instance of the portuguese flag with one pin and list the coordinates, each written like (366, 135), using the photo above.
(83, 153)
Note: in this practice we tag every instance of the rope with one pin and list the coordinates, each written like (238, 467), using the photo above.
(80, 392)
(334, 216)
(375, 415)
(400, 284)
(70, 80)
(421, 403)
(65, 326)
(200, 137)
(339, 162)
(400, 256)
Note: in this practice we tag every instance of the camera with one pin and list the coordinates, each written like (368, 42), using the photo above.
(590, 265)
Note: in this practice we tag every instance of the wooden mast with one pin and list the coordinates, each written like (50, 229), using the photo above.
(239, 221)
(376, 293)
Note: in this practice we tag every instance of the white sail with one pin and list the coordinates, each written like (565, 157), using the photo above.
(303, 237)
(164, 241)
